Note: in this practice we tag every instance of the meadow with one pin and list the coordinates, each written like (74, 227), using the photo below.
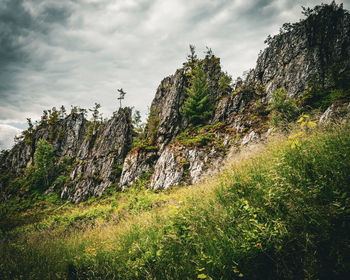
(280, 211)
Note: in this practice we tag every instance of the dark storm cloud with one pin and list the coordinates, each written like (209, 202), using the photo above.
(80, 51)
(18, 28)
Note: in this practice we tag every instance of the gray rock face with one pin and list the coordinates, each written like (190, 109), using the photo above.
(72, 130)
(305, 52)
(251, 137)
(167, 171)
(96, 159)
(296, 57)
(137, 163)
(336, 111)
(170, 97)
(179, 165)
(167, 104)
(100, 157)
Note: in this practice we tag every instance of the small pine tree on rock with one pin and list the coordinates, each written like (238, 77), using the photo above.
(44, 159)
(197, 107)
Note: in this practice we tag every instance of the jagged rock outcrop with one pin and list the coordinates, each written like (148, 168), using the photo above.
(304, 52)
(97, 159)
(170, 97)
(137, 163)
(100, 158)
(179, 165)
(340, 112)
(66, 137)
(167, 105)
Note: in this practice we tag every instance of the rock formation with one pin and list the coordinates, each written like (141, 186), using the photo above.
(314, 52)
(95, 159)
(302, 54)
(304, 51)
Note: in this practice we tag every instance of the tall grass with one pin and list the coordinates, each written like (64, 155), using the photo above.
(283, 213)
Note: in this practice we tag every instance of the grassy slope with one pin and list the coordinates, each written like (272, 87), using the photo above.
(282, 213)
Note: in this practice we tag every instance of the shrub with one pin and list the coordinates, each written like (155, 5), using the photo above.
(153, 122)
(225, 86)
(337, 88)
(283, 109)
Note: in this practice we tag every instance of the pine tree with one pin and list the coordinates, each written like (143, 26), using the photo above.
(192, 60)
(197, 107)
(44, 158)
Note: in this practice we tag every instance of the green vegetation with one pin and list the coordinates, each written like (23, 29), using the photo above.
(191, 62)
(203, 137)
(95, 122)
(283, 109)
(225, 84)
(44, 159)
(146, 134)
(282, 213)
(26, 202)
(197, 107)
(336, 89)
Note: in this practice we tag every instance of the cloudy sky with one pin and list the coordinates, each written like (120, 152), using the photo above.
(78, 52)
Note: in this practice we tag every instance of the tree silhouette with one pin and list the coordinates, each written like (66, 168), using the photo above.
(121, 96)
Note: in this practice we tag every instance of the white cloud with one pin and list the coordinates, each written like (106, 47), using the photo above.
(7, 133)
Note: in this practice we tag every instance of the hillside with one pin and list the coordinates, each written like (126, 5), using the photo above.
(244, 179)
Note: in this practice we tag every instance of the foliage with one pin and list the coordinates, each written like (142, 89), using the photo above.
(199, 140)
(205, 137)
(62, 112)
(336, 89)
(192, 60)
(95, 122)
(117, 170)
(44, 159)
(197, 107)
(152, 126)
(53, 116)
(225, 84)
(282, 214)
(317, 18)
(283, 109)
(136, 119)
(122, 94)
(28, 134)
(146, 134)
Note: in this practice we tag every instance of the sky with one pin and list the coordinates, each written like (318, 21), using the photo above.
(79, 52)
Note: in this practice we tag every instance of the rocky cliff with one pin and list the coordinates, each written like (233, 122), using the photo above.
(95, 159)
(305, 53)
(313, 53)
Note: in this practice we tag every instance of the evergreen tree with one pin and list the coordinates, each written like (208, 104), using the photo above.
(53, 116)
(44, 117)
(95, 122)
(136, 119)
(225, 82)
(153, 122)
(62, 112)
(197, 107)
(192, 59)
(96, 116)
(44, 158)
(122, 94)
(74, 111)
